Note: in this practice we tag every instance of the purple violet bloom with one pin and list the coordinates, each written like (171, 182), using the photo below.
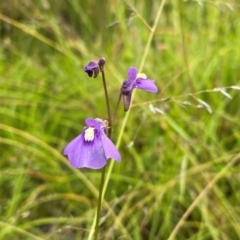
(92, 147)
(92, 69)
(135, 80)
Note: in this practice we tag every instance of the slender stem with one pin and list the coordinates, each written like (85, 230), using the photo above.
(99, 203)
(184, 44)
(115, 111)
(100, 197)
(146, 51)
(107, 101)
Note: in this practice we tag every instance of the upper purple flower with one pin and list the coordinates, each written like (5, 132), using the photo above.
(135, 80)
(92, 147)
(92, 69)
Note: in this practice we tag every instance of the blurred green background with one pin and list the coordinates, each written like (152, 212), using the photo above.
(180, 179)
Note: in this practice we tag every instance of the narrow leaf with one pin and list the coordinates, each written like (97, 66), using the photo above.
(151, 108)
(235, 88)
(223, 91)
(204, 105)
(226, 94)
(158, 110)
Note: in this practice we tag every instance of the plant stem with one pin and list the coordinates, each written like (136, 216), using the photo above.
(181, 14)
(100, 197)
(146, 51)
(99, 203)
(107, 102)
(117, 106)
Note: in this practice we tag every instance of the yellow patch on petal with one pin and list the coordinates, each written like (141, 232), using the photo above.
(89, 134)
(141, 75)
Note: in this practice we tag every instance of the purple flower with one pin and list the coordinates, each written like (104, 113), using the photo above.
(92, 147)
(135, 80)
(92, 69)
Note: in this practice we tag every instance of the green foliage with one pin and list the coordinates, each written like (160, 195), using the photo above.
(180, 179)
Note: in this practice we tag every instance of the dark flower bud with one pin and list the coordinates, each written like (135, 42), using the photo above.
(92, 69)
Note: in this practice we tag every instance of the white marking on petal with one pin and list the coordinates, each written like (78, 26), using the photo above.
(142, 75)
(89, 134)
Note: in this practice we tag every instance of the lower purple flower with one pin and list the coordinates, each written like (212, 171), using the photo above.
(92, 147)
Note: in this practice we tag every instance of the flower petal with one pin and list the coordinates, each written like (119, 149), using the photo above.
(72, 145)
(146, 84)
(127, 87)
(96, 123)
(92, 69)
(110, 149)
(132, 74)
(127, 100)
(83, 154)
(92, 65)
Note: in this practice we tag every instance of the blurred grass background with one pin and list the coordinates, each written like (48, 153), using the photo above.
(180, 179)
